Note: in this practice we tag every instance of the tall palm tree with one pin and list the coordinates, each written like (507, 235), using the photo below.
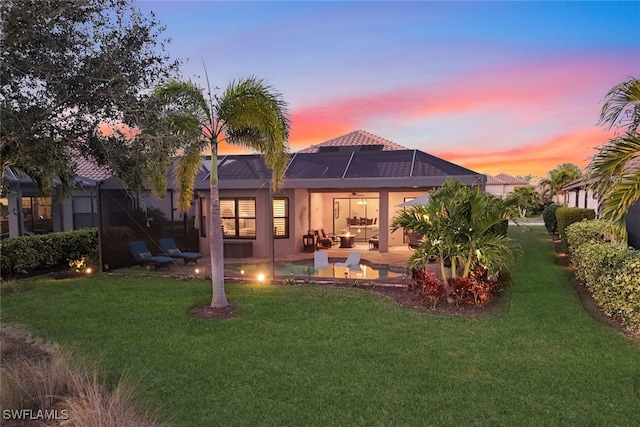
(614, 171)
(249, 113)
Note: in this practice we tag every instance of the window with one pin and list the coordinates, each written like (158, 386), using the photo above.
(84, 212)
(36, 212)
(281, 218)
(238, 217)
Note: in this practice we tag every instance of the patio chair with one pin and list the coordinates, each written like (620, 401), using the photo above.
(143, 255)
(352, 261)
(320, 260)
(170, 248)
(324, 241)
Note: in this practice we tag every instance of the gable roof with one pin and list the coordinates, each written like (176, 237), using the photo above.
(358, 140)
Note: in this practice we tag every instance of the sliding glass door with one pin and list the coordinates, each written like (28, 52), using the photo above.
(356, 216)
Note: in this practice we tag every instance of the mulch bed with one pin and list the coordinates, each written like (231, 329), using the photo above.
(208, 312)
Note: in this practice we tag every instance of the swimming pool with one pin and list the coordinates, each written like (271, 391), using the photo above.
(304, 268)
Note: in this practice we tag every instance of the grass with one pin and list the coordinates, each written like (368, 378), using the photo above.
(300, 355)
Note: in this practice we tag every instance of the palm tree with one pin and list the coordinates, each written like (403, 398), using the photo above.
(614, 172)
(560, 176)
(248, 113)
(459, 225)
(525, 198)
(622, 106)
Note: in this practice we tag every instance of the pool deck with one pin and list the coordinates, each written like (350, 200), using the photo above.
(396, 257)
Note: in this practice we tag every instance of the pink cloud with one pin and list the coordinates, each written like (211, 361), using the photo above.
(537, 158)
(535, 88)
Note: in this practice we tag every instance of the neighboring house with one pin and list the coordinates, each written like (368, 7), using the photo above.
(24, 212)
(350, 184)
(503, 184)
(576, 194)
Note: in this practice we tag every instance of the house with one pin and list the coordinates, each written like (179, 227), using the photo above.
(576, 194)
(503, 184)
(349, 184)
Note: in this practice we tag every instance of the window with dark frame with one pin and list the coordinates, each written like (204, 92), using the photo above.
(281, 218)
(238, 217)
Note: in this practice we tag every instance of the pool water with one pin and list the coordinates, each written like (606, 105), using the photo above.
(304, 268)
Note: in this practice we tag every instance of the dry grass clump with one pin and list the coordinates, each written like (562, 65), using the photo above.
(93, 405)
(37, 376)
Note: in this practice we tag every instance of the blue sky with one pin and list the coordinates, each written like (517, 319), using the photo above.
(511, 87)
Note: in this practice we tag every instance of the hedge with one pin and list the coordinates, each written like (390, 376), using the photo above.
(609, 270)
(567, 216)
(45, 252)
(549, 217)
(592, 231)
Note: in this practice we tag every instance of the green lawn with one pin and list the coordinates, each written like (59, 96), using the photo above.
(299, 355)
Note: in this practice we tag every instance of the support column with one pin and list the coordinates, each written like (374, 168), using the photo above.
(383, 221)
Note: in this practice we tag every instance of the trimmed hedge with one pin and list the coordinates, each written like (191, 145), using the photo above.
(44, 252)
(567, 216)
(585, 232)
(609, 270)
(549, 217)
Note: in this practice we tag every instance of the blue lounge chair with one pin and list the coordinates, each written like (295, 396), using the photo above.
(143, 255)
(169, 247)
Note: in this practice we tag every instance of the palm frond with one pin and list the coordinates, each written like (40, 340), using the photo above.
(255, 116)
(607, 167)
(622, 103)
(185, 172)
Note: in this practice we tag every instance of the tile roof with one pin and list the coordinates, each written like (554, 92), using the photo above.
(360, 139)
(505, 179)
(86, 168)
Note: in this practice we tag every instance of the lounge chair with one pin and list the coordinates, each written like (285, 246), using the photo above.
(143, 255)
(352, 261)
(320, 260)
(169, 247)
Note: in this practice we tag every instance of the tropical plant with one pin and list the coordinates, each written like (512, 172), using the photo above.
(558, 177)
(613, 173)
(459, 225)
(248, 113)
(526, 199)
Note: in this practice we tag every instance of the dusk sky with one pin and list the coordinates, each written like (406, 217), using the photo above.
(512, 87)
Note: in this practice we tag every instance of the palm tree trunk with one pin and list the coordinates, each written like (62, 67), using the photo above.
(218, 299)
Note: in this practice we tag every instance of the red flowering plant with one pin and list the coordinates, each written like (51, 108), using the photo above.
(426, 287)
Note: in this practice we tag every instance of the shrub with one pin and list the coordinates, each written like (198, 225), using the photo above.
(584, 232)
(549, 217)
(28, 254)
(427, 288)
(567, 216)
(610, 272)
